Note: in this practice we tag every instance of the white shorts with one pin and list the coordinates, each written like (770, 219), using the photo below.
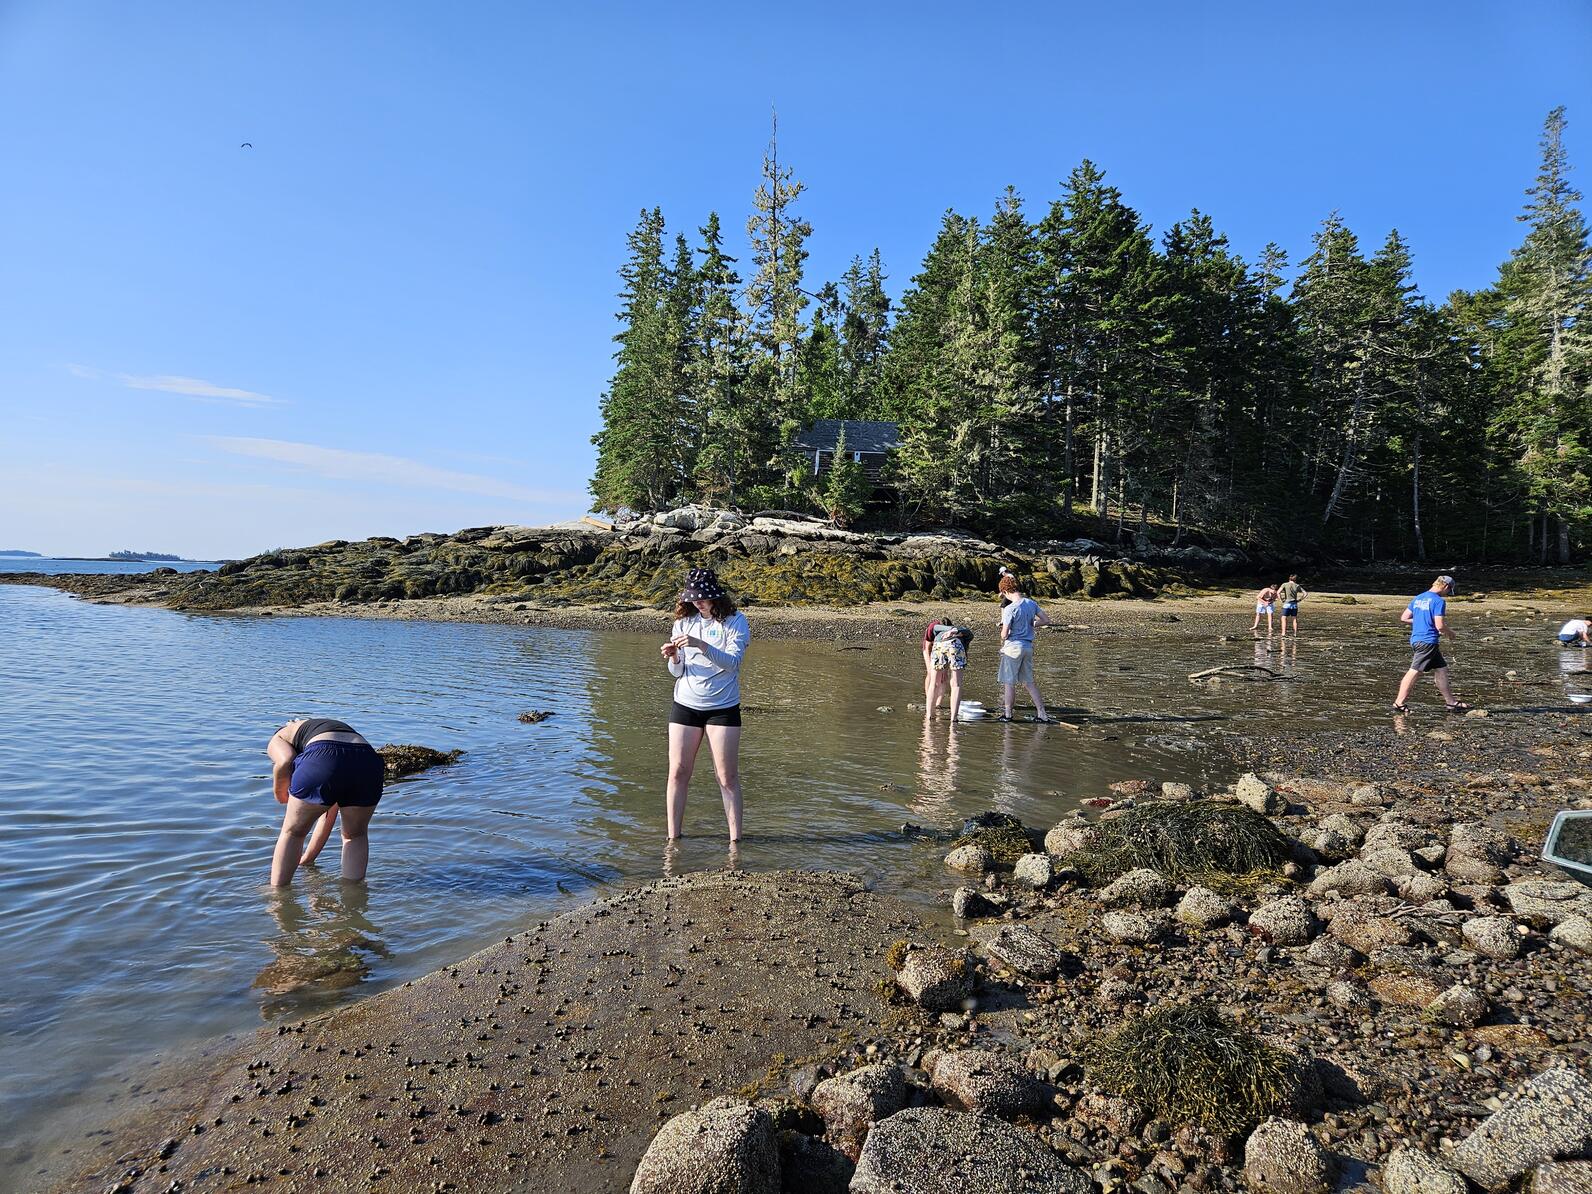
(1017, 664)
(1263, 607)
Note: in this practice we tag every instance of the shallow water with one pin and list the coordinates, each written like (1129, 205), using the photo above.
(138, 821)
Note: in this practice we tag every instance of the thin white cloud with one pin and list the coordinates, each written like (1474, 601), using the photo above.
(338, 464)
(172, 383)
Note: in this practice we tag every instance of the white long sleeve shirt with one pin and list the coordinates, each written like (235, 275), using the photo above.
(710, 678)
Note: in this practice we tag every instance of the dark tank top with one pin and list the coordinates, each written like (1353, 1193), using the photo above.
(318, 725)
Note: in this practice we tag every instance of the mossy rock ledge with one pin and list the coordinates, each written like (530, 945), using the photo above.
(763, 560)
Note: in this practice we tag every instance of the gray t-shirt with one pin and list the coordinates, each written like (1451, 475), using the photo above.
(711, 678)
(1018, 618)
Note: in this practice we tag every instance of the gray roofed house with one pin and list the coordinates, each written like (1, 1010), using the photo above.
(868, 441)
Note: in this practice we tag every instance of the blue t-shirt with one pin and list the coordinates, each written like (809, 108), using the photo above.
(1018, 618)
(1424, 608)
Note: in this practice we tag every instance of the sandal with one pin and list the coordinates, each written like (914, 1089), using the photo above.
(1003, 717)
(1459, 707)
(1044, 721)
(1401, 708)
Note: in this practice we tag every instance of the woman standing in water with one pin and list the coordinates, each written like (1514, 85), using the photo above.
(320, 768)
(704, 654)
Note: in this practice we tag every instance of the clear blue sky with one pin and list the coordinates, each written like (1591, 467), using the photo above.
(393, 313)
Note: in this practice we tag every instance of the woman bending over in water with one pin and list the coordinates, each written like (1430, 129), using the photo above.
(320, 767)
(704, 655)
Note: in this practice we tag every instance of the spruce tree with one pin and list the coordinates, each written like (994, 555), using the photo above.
(716, 374)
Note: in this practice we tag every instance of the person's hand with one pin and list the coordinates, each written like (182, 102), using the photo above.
(670, 649)
(688, 640)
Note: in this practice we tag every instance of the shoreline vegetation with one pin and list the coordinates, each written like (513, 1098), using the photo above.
(1370, 976)
(1058, 368)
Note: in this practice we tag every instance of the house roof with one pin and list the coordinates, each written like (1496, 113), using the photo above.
(862, 435)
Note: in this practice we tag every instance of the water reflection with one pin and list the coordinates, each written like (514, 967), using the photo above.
(939, 759)
(325, 942)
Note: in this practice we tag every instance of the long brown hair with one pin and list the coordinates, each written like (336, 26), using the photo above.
(723, 608)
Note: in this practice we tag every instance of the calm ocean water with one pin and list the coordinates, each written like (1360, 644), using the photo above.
(138, 823)
(54, 567)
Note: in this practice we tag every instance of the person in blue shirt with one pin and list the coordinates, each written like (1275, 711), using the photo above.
(1018, 621)
(1428, 623)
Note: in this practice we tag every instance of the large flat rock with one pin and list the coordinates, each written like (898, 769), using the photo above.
(544, 1063)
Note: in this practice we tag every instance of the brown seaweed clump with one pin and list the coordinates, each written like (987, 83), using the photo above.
(1188, 1063)
(405, 760)
(1183, 840)
(531, 716)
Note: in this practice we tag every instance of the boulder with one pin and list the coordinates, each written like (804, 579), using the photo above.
(1548, 1119)
(1033, 870)
(1133, 928)
(1393, 861)
(852, 1103)
(1407, 989)
(1068, 838)
(970, 860)
(1254, 792)
(1026, 951)
(1330, 844)
(1348, 828)
(1282, 1156)
(1204, 909)
(1461, 1006)
(987, 1081)
(968, 903)
(1466, 868)
(1494, 936)
(1476, 840)
(1351, 878)
(1422, 888)
(1394, 833)
(1408, 1170)
(1562, 1177)
(1285, 921)
(1331, 953)
(1142, 888)
(935, 978)
(1171, 790)
(1574, 931)
(1111, 1113)
(933, 1150)
(726, 1146)
(1363, 931)
(1349, 995)
(1543, 903)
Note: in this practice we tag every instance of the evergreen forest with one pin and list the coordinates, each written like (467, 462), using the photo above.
(1063, 372)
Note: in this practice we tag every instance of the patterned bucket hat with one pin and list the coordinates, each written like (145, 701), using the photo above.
(702, 584)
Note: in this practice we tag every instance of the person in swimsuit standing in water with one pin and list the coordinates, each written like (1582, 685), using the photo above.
(704, 654)
(320, 768)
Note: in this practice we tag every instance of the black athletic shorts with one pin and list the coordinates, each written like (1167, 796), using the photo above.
(1426, 658)
(684, 715)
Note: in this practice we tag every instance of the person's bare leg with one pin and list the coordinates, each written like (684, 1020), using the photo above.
(956, 695)
(356, 845)
(1440, 676)
(930, 682)
(1406, 686)
(1039, 701)
(1009, 694)
(936, 688)
(725, 743)
(297, 822)
(683, 744)
(318, 839)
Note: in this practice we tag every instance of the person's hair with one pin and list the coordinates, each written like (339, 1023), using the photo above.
(723, 607)
(1293, 576)
(1008, 584)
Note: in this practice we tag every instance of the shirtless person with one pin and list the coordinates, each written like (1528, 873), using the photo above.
(1265, 603)
(320, 768)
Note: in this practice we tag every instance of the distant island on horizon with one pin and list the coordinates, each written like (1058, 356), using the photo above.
(19, 552)
(145, 556)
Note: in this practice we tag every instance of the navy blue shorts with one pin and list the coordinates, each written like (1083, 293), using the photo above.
(1291, 611)
(347, 773)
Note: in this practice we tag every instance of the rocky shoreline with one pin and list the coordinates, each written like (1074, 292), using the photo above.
(1403, 984)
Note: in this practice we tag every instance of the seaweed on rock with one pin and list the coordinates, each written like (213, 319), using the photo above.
(405, 759)
(1188, 1063)
(1192, 840)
